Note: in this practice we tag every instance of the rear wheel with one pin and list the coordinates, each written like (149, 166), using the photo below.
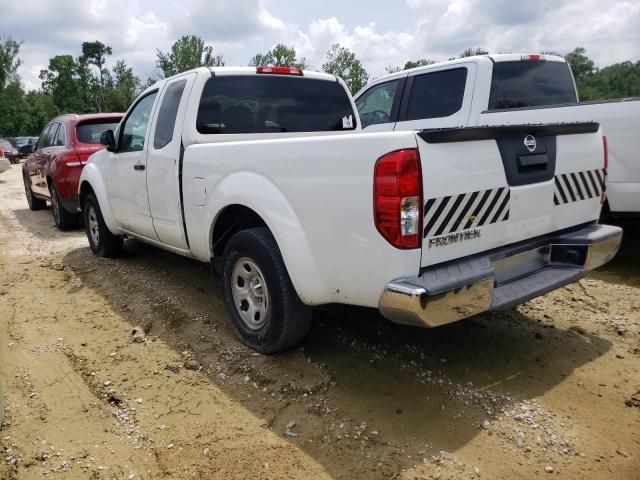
(103, 243)
(34, 203)
(266, 312)
(64, 220)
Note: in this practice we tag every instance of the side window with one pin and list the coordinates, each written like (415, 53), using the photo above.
(51, 135)
(437, 94)
(376, 104)
(135, 126)
(43, 141)
(167, 114)
(61, 137)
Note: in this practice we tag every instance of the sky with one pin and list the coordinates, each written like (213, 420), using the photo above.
(381, 33)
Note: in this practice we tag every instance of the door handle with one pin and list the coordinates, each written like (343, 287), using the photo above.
(138, 167)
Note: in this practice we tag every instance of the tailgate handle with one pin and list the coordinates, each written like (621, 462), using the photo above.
(538, 161)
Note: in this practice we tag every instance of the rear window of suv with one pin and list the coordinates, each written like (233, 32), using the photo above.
(267, 104)
(526, 83)
(90, 131)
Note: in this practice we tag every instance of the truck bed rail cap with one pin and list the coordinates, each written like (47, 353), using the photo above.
(468, 134)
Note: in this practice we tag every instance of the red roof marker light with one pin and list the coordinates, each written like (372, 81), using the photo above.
(281, 71)
(532, 56)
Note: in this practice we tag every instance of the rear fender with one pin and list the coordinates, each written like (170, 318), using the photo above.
(261, 195)
(91, 176)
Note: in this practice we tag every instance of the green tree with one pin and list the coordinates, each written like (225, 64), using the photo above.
(11, 105)
(470, 52)
(584, 71)
(122, 87)
(343, 63)
(581, 65)
(38, 110)
(188, 52)
(279, 56)
(620, 80)
(68, 81)
(11, 92)
(95, 53)
(9, 61)
(421, 62)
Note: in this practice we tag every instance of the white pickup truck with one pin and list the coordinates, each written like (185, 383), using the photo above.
(265, 173)
(507, 89)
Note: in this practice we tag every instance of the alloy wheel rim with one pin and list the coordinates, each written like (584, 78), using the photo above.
(250, 293)
(94, 230)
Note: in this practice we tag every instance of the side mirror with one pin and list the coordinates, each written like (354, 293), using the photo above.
(108, 140)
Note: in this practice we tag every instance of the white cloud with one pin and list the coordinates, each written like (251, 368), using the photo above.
(373, 47)
(59, 27)
(436, 29)
(225, 21)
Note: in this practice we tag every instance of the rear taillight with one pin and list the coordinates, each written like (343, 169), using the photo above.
(280, 71)
(605, 144)
(397, 193)
(71, 160)
(1, 153)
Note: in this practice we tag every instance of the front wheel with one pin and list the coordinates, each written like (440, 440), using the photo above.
(266, 312)
(103, 243)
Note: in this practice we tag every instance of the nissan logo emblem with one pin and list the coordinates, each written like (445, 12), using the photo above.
(530, 143)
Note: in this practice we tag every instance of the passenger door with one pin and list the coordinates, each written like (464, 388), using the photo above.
(163, 163)
(125, 176)
(378, 106)
(38, 167)
(437, 98)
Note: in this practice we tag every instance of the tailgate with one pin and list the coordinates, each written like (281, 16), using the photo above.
(486, 187)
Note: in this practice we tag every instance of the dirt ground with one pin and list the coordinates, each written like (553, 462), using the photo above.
(550, 389)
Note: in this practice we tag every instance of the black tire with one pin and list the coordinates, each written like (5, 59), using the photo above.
(286, 320)
(34, 203)
(103, 243)
(64, 220)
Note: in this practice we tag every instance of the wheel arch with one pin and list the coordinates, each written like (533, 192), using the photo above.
(91, 182)
(288, 233)
(230, 220)
(84, 190)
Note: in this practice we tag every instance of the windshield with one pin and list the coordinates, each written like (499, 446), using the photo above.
(262, 104)
(521, 84)
(90, 132)
(6, 145)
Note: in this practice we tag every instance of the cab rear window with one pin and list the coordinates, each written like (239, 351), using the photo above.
(526, 83)
(264, 104)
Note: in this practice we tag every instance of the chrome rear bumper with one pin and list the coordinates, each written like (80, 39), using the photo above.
(499, 279)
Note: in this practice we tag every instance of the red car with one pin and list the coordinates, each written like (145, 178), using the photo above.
(52, 171)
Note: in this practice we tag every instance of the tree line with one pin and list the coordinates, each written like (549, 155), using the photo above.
(84, 84)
